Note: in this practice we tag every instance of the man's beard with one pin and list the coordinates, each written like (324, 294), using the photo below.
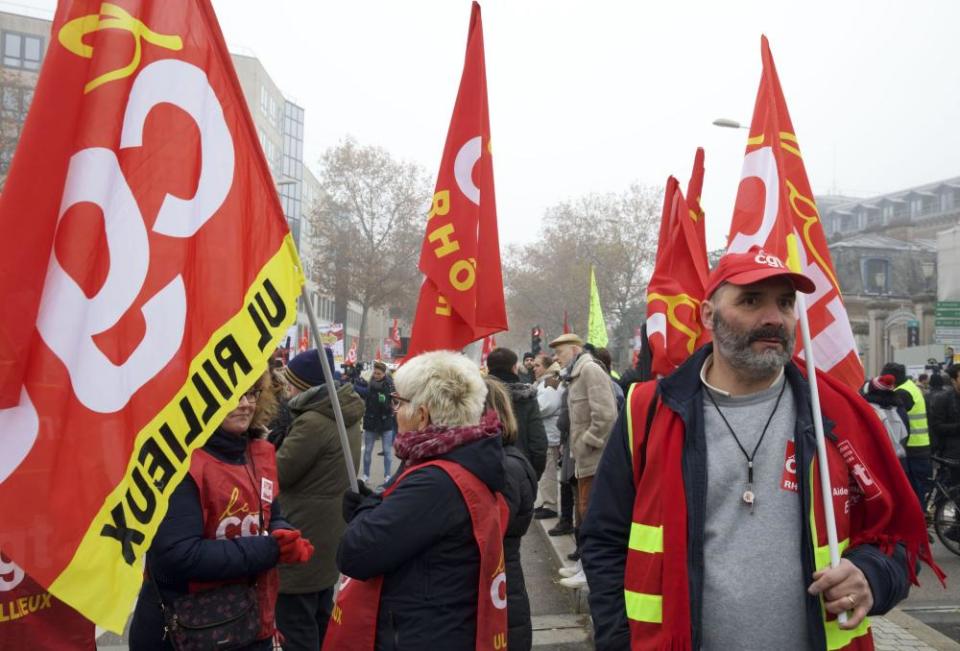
(734, 345)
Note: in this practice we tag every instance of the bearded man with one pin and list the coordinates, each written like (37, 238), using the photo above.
(706, 527)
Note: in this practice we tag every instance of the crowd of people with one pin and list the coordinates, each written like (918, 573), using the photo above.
(678, 492)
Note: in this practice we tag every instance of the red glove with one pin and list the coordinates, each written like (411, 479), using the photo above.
(293, 548)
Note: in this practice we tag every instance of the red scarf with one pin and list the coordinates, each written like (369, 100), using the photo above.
(885, 514)
(437, 440)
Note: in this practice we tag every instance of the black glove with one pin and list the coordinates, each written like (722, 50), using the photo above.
(352, 501)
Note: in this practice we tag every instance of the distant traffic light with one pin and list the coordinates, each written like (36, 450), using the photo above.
(536, 340)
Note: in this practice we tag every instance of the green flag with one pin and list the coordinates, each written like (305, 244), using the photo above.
(596, 327)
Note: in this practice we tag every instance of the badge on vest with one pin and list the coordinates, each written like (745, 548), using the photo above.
(859, 470)
(788, 481)
(266, 490)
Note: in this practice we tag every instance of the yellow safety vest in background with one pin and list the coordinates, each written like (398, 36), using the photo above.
(919, 431)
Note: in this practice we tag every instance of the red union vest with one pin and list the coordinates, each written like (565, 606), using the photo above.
(353, 624)
(232, 497)
(32, 618)
(657, 522)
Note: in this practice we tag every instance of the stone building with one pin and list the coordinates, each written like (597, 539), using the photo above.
(884, 250)
(888, 286)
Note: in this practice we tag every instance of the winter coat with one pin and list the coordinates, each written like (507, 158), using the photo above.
(313, 478)
(421, 542)
(605, 531)
(180, 554)
(549, 400)
(531, 435)
(378, 416)
(280, 424)
(520, 493)
(593, 411)
(944, 420)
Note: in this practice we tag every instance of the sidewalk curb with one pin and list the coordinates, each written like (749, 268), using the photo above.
(560, 546)
(926, 634)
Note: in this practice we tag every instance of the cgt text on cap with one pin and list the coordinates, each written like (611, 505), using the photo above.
(753, 266)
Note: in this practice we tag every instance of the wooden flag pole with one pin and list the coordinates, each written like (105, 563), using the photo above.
(331, 389)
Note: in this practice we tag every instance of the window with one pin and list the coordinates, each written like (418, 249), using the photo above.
(916, 206)
(22, 51)
(887, 212)
(876, 276)
(946, 200)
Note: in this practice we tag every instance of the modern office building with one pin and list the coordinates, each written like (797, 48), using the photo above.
(23, 43)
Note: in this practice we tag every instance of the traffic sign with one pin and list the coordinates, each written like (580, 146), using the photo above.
(948, 309)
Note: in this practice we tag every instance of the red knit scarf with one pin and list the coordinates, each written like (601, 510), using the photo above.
(436, 440)
(893, 518)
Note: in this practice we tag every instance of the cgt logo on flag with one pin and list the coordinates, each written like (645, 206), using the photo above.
(169, 277)
(775, 210)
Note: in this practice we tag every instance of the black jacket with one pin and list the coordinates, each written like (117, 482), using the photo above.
(606, 529)
(378, 416)
(520, 493)
(944, 421)
(421, 541)
(179, 553)
(531, 436)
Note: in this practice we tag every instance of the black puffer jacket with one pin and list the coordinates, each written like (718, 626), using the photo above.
(520, 493)
(531, 436)
(421, 541)
(944, 419)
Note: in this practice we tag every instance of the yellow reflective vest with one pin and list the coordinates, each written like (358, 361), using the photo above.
(919, 430)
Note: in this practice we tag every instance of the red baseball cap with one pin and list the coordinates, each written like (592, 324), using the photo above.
(753, 266)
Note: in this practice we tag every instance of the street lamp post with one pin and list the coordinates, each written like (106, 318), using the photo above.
(728, 123)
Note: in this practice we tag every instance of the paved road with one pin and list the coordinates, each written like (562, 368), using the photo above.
(933, 604)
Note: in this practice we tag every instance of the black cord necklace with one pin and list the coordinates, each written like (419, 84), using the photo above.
(748, 496)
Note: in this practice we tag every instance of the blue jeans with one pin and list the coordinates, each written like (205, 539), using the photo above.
(369, 439)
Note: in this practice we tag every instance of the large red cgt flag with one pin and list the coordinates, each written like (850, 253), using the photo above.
(167, 275)
(679, 277)
(775, 209)
(461, 299)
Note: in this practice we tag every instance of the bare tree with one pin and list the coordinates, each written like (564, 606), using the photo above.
(366, 230)
(615, 232)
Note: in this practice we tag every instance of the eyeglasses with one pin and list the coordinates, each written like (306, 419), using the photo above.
(252, 395)
(396, 401)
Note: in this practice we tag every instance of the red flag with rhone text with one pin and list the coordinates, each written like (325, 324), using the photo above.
(161, 274)
(775, 210)
(461, 299)
(676, 286)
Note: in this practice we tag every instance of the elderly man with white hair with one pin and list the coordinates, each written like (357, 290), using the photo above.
(429, 553)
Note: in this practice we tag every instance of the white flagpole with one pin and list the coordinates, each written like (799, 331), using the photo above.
(825, 488)
(332, 390)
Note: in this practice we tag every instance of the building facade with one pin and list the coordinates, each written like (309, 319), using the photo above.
(23, 42)
(884, 249)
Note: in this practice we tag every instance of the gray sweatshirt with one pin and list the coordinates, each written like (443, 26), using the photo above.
(753, 596)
